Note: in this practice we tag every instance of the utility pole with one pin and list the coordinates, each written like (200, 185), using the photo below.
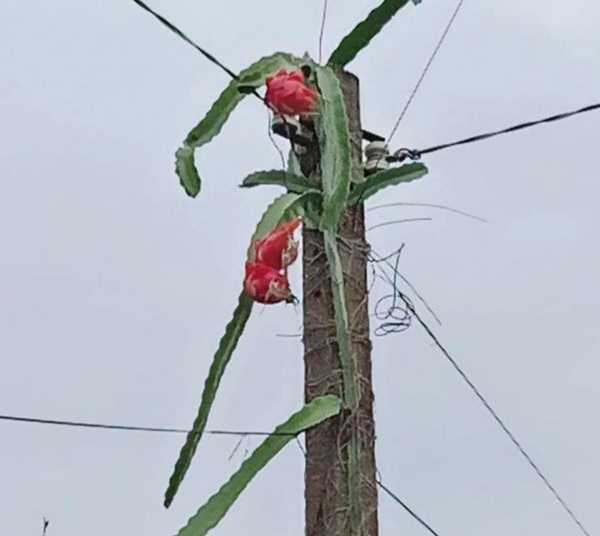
(327, 491)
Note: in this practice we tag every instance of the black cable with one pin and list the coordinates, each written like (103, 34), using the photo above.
(400, 155)
(490, 409)
(81, 424)
(406, 507)
(403, 153)
(368, 136)
(178, 32)
(416, 154)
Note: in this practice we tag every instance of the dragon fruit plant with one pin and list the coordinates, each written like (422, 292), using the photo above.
(300, 89)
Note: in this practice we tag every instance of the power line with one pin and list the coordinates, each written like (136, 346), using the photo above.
(403, 153)
(425, 70)
(398, 156)
(408, 304)
(367, 135)
(395, 497)
(415, 154)
(178, 32)
(406, 507)
(82, 424)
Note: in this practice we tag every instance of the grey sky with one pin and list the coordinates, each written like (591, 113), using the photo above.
(115, 287)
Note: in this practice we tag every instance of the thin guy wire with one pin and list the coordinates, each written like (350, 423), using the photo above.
(405, 220)
(389, 492)
(430, 205)
(493, 413)
(322, 30)
(81, 424)
(406, 507)
(415, 154)
(425, 71)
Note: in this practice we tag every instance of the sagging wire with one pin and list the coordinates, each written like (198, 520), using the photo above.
(395, 222)
(104, 426)
(412, 513)
(487, 405)
(430, 205)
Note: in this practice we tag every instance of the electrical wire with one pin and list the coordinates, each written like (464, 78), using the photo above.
(398, 156)
(322, 29)
(403, 153)
(242, 435)
(430, 205)
(415, 154)
(408, 304)
(178, 32)
(82, 424)
(406, 507)
(368, 136)
(425, 70)
(405, 220)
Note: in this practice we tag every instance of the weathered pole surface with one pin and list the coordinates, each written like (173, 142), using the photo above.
(326, 477)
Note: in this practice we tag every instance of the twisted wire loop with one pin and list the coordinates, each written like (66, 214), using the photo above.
(395, 310)
(393, 315)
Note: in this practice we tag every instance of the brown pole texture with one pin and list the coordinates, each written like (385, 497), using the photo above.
(326, 478)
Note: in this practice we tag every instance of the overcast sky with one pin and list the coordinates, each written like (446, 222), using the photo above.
(115, 287)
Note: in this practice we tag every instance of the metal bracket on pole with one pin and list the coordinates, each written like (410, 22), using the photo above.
(302, 136)
(293, 130)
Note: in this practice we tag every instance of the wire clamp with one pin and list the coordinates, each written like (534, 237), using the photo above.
(403, 153)
(292, 129)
